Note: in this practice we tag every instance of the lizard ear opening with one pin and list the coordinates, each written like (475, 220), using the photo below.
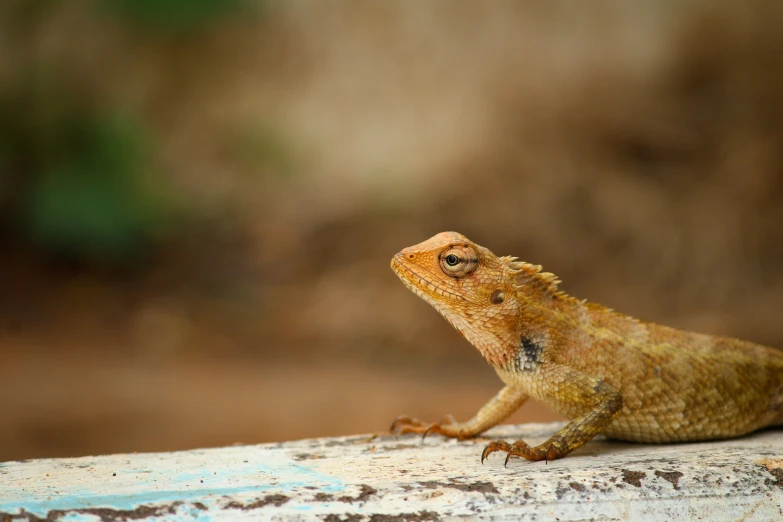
(497, 297)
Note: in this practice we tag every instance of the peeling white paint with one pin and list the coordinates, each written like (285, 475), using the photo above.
(437, 479)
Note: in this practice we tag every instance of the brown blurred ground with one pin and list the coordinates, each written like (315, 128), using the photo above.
(632, 149)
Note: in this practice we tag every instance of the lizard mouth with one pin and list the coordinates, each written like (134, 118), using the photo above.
(419, 285)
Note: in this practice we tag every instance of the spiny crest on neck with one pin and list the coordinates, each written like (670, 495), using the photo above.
(529, 277)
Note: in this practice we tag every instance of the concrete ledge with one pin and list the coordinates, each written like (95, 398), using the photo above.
(383, 479)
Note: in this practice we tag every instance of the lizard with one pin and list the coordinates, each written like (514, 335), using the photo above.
(605, 372)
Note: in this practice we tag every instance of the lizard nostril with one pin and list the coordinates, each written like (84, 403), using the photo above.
(411, 256)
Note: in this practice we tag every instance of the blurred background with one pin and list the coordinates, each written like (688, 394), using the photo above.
(199, 199)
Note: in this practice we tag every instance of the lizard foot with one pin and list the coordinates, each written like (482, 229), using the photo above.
(547, 451)
(492, 447)
(447, 427)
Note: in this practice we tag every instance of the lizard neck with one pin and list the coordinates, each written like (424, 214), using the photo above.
(527, 328)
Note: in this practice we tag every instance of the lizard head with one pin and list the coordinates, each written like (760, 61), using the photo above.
(470, 286)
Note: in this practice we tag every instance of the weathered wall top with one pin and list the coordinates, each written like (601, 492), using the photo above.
(382, 479)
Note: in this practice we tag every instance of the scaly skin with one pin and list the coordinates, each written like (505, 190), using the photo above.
(606, 372)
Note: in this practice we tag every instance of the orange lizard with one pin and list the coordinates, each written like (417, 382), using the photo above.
(607, 372)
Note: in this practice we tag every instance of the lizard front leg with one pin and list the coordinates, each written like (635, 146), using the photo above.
(568, 386)
(496, 410)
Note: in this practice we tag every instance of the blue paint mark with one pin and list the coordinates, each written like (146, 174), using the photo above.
(178, 489)
(124, 502)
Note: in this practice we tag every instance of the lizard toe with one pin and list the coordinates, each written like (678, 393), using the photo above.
(497, 445)
(432, 428)
(404, 424)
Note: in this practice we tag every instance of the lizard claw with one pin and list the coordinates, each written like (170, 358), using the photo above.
(519, 449)
(551, 451)
(395, 422)
(399, 420)
(498, 445)
(433, 428)
(404, 424)
(550, 454)
(447, 427)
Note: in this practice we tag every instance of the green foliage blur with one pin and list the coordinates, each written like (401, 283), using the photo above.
(173, 15)
(77, 176)
(96, 201)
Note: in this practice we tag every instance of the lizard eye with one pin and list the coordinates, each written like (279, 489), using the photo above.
(458, 261)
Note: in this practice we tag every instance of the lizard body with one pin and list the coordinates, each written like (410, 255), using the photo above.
(606, 372)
